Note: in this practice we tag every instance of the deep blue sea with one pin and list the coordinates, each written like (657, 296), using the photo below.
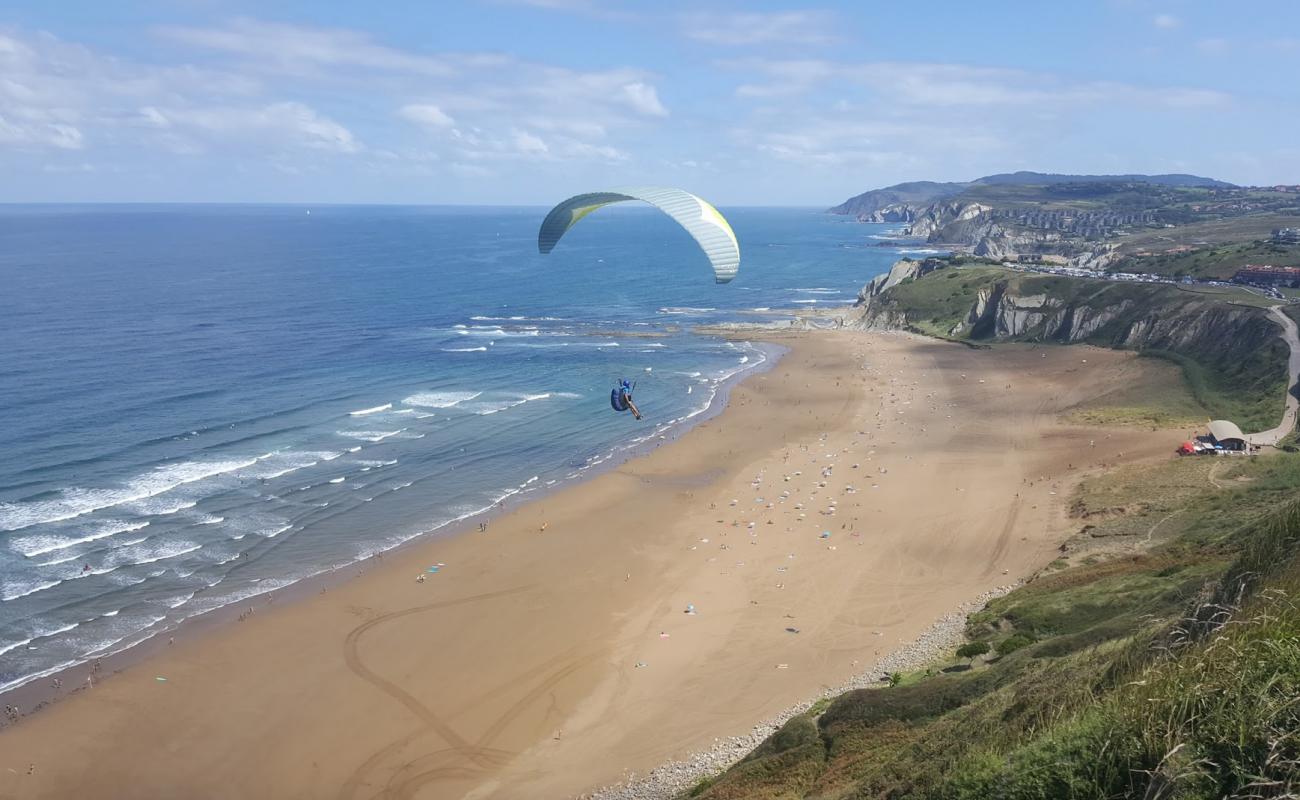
(199, 404)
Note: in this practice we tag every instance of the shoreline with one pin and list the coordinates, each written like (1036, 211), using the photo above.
(671, 780)
(531, 665)
(32, 698)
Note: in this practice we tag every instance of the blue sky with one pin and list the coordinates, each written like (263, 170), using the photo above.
(527, 101)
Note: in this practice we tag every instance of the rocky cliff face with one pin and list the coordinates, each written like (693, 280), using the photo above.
(935, 220)
(898, 272)
(976, 227)
(1160, 318)
(894, 212)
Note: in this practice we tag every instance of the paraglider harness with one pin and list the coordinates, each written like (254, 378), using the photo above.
(619, 394)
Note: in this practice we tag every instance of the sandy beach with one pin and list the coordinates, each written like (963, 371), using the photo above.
(866, 486)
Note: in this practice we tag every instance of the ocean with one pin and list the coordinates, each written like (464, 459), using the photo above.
(200, 404)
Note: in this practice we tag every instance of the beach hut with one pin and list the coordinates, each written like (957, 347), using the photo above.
(1226, 435)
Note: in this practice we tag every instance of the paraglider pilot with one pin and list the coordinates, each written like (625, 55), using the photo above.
(621, 398)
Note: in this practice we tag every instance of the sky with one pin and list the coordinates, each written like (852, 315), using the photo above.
(524, 102)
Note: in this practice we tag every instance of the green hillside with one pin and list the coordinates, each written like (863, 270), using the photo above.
(1171, 672)
(1212, 262)
(1223, 339)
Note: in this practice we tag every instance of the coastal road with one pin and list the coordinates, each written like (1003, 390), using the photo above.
(1292, 337)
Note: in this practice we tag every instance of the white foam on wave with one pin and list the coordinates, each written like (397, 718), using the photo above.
(368, 411)
(464, 349)
(498, 332)
(179, 600)
(518, 319)
(439, 399)
(337, 480)
(685, 310)
(12, 590)
(803, 301)
(63, 560)
(370, 436)
(15, 645)
(159, 506)
(75, 502)
(37, 634)
(487, 407)
(164, 552)
(284, 463)
(32, 546)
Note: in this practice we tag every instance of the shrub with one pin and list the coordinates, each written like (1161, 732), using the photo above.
(972, 650)
(1013, 643)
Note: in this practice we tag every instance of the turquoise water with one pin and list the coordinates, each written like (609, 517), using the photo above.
(200, 404)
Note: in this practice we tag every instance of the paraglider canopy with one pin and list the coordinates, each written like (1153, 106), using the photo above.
(700, 219)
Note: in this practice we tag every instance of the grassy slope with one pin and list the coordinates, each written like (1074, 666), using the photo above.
(1232, 379)
(1160, 398)
(1201, 233)
(1212, 262)
(1100, 684)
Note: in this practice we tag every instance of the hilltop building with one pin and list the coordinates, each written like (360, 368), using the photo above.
(1286, 235)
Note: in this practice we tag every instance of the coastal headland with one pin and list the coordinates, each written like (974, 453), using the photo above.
(866, 486)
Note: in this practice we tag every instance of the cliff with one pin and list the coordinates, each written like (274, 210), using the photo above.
(1075, 217)
(900, 271)
(922, 193)
(900, 195)
(1231, 352)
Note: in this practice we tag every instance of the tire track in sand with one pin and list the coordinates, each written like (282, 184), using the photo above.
(410, 785)
(352, 657)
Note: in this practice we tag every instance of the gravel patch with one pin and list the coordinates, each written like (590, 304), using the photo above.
(670, 781)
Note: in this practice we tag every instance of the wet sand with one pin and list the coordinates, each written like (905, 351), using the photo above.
(552, 653)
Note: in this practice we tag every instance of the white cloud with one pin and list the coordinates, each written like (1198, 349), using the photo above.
(287, 123)
(956, 85)
(528, 144)
(298, 48)
(482, 98)
(590, 152)
(643, 99)
(757, 28)
(60, 96)
(258, 99)
(426, 114)
(596, 9)
(1166, 21)
(37, 134)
